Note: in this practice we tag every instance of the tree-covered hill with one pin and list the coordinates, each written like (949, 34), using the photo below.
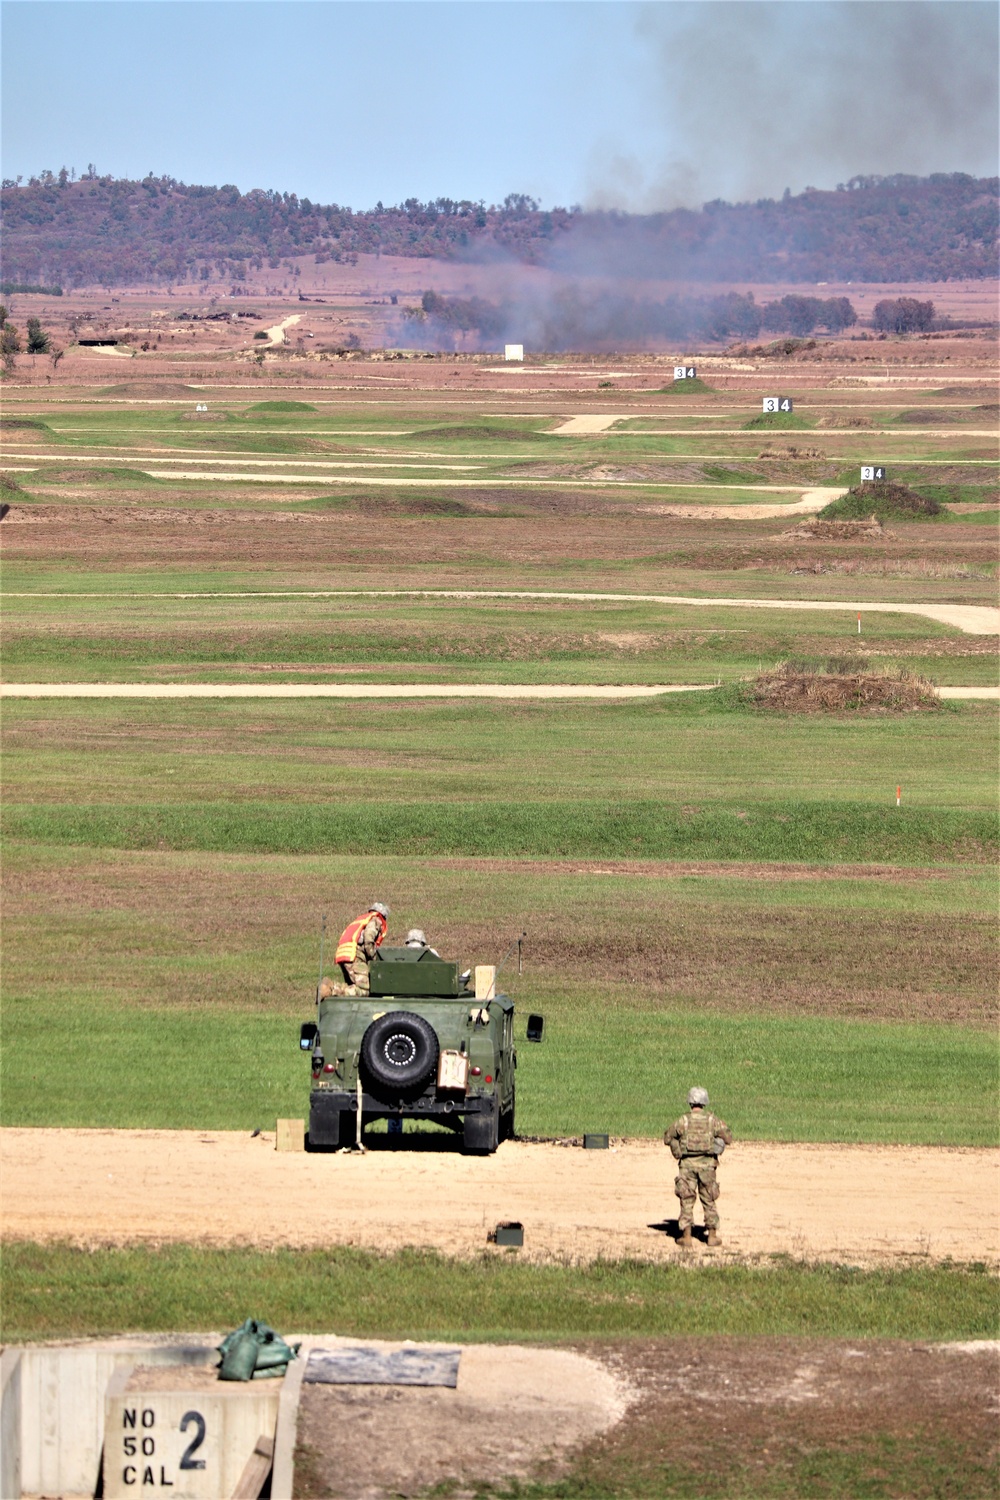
(107, 231)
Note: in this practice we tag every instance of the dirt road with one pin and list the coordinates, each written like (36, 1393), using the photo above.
(276, 335)
(858, 1204)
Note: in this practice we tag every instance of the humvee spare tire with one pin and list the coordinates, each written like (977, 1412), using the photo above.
(399, 1051)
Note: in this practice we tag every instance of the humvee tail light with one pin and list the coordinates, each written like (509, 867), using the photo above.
(329, 1067)
(489, 1078)
(475, 1072)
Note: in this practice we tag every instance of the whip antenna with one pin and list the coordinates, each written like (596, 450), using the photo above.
(322, 945)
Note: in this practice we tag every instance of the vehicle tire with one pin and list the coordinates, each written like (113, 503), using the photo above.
(507, 1120)
(399, 1051)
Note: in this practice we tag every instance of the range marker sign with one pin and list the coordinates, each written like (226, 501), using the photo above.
(778, 403)
(685, 372)
(871, 473)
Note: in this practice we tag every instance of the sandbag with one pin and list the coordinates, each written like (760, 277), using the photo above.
(254, 1352)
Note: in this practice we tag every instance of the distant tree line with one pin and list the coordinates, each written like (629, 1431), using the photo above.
(39, 341)
(8, 288)
(571, 319)
(902, 315)
(100, 230)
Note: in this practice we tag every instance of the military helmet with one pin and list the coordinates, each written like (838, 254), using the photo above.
(416, 938)
(697, 1096)
(383, 911)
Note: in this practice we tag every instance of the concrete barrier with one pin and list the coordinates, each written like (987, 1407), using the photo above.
(10, 1423)
(52, 1416)
(192, 1442)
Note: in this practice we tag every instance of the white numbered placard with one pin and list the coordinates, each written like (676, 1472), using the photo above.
(778, 403)
(685, 372)
(872, 472)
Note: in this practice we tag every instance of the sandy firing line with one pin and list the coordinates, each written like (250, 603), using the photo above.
(813, 1201)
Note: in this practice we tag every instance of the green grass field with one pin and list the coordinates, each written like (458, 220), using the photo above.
(58, 1291)
(850, 1007)
(397, 640)
(607, 1065)
(167, 862)
(691, 750)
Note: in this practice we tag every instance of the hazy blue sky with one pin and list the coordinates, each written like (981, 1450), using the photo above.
(622, 104)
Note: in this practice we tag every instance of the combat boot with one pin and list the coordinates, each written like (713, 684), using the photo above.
(713, 1239)
(685, 1241)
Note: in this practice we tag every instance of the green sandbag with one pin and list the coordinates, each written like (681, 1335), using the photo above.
(254, 1352)
(240, 1359)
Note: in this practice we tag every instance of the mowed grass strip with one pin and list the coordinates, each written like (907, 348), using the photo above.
(606, 1064)
(652, 830)
(57, 1290)
(540, 769)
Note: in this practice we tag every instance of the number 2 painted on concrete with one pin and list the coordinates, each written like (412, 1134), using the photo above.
(187, 1462)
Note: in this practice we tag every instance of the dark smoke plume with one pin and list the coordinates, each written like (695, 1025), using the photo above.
(755, 96)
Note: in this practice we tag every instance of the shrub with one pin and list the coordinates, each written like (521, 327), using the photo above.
(902, 315)
(883, 499)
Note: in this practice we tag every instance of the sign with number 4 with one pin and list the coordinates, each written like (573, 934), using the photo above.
(777, 403)
(684, 372)
(871, 472)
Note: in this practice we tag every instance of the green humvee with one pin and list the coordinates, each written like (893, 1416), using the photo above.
(420, 1046)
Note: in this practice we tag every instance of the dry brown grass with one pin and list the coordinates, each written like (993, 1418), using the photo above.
(870, 530)
(793, 1416)
(744, 951)
(791, 452)
(839, 419)
(842, 688)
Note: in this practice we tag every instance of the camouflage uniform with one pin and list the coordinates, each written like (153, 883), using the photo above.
(691, 1141)
(356, 973)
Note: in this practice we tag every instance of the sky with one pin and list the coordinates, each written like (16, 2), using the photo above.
(604, 103)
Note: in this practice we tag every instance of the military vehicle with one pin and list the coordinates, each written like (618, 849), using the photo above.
(419, 1046)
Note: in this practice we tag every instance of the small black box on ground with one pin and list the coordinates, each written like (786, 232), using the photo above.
(595, 1143)
(509, 1234)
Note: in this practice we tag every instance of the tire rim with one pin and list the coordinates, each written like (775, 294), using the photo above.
(399, 1049)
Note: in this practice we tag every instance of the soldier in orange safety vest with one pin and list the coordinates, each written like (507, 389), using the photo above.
(358, 944)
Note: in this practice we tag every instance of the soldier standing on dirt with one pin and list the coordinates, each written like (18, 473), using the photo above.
(358, 944)
(696, 1141)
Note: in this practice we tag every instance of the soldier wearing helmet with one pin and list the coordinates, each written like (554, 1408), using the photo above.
(358, 945)
(417, 938)
(696, 1141)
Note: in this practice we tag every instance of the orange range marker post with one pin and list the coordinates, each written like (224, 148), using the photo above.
(899, 796)
(859, 624)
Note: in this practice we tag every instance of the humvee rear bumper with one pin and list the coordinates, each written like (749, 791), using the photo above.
(333, 1115)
